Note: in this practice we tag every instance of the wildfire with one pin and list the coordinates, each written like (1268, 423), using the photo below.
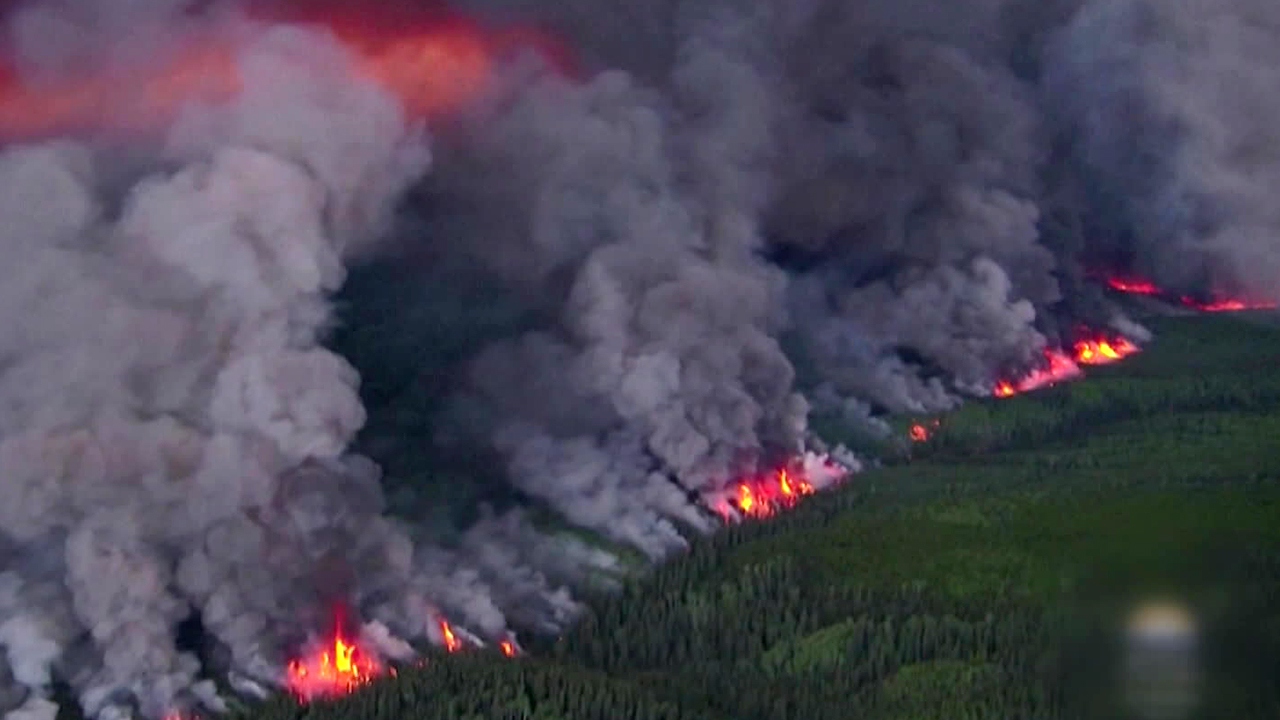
(334, 669)
(1228, 305)
(1134, 285)
(922, 431)
(451, 641)
(1059, 365)
(1103, 351)
(1056, 367)
(507, 647)
(1141, 286)
(432, 65)
(763, 496)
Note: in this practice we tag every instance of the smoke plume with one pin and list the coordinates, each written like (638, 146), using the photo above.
(1169, 110)
(300, 339)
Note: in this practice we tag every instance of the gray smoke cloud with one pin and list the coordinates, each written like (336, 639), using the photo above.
(636, 223)
(615, 292)
(173, 436)
(1170, 111)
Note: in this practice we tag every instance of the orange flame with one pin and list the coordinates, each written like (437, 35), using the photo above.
(334, 670)
(920, 432)
(1228, 305)
(507, 647)
(1100, 351)
(1133, 285)
(451, 642)
(762, 497)
(433, 67)
(1058, 365)
(1141, 286)
(1055, 367)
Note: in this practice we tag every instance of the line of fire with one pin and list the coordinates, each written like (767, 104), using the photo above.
(341, 660)
(340, 663)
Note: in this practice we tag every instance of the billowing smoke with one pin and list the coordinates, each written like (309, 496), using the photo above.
(1171, 112)
(173, 434)
(586, 294)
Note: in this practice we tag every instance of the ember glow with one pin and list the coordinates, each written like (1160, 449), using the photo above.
(1228, 304)
(432, 67)
(451, 641)
(763, 496)
(922, 431)
(1055, 367)
(1101, 351)
(1133, 285)
(1140, 286)
(1059, 365)
(334, 669)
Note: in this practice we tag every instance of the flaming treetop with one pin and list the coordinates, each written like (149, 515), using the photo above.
(1058, 365)
(762, 495)
(334, 668)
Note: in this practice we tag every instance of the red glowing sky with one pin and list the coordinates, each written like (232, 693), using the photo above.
(1138, 285)
(434, 61)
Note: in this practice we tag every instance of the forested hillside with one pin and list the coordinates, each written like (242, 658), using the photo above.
(982, 577)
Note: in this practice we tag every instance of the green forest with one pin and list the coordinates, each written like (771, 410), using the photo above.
(983, 573)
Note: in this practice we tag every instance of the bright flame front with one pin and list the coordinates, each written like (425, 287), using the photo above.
(334, 669)
(1134, 285)
(763, 495)
(1060, 365)
(1100, 351)
(450, 639)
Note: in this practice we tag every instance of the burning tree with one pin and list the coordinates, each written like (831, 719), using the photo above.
(760, 495)
(335, 667)
(1058, 365)
(1215, 302)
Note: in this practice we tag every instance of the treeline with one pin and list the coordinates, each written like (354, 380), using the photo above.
(487, 686)
(983, 668)
(769, 646)
(952, 586)
(682, 618)
(1069, 412)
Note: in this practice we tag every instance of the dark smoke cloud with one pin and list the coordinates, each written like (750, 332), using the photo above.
(594, 280)
(1172, 113)
(663, 344)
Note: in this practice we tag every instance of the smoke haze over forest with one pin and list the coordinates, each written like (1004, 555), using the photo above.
(295, 311)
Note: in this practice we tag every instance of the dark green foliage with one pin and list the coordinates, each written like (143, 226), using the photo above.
(481, 686)
(981, 579)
